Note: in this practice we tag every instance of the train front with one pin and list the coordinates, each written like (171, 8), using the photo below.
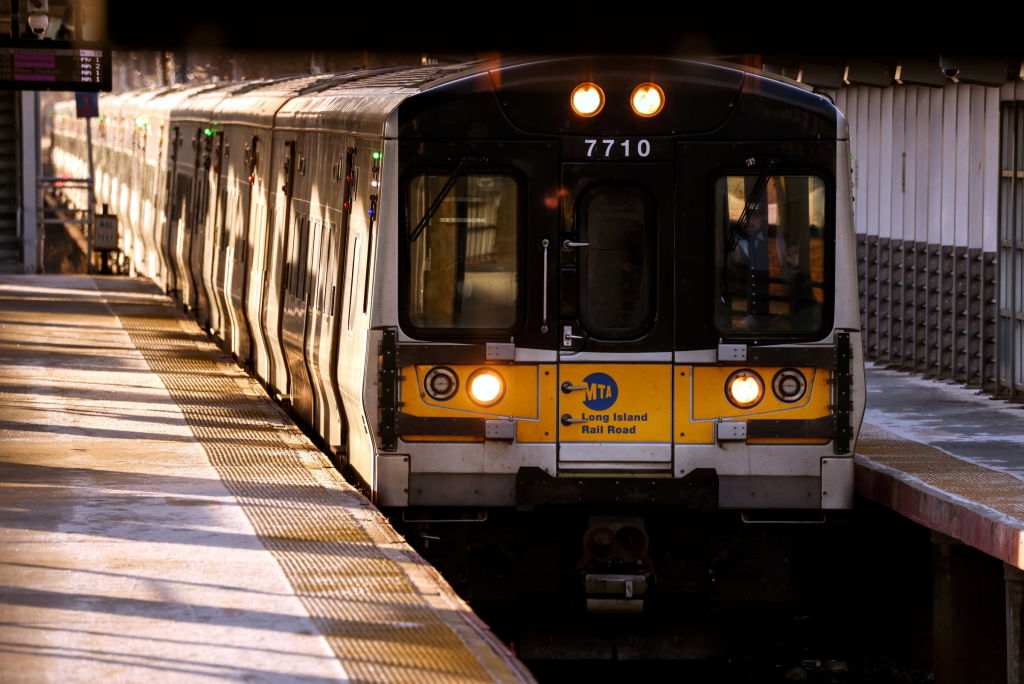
(625, 324)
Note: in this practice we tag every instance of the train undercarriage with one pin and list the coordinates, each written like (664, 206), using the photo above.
(636, 582)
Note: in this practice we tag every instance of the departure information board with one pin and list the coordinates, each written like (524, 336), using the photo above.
(52, 65)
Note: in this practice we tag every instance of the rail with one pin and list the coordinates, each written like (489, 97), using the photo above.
(58, 200)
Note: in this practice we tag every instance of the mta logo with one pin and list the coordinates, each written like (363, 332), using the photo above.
(601, 391)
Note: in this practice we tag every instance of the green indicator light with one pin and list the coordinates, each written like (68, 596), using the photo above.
(103, 117)
(376, 155)
(207, 131)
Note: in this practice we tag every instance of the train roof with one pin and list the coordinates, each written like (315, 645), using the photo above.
(496, 98)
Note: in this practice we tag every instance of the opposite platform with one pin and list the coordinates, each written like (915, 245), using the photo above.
(161, 518)
(947, 458)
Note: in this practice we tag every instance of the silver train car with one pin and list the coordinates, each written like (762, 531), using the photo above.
(616, 294)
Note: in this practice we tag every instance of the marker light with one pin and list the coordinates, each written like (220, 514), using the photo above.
(441, 383)
(587, 99)
(744, 388)
(789, 385)
(647, 99)
(486, 387)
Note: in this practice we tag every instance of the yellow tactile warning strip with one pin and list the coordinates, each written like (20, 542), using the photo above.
(385, 612)
(980, 506)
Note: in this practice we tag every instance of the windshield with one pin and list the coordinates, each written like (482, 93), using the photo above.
(770, 271)
(464, 264)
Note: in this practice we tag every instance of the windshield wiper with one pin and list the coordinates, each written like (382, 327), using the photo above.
(460, 168)
(753, 202)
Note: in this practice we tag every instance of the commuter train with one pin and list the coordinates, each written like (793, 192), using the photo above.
(607, 300)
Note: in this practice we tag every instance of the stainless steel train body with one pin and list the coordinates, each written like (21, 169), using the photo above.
(481, 298)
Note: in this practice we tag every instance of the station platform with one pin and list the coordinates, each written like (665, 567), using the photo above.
(946, 457)
(161, 519)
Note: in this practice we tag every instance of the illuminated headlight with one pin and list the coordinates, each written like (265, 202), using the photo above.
(789, 385)
(486, 387)
(744, 388)
(587, 99)
(647, 99)
(441, 383)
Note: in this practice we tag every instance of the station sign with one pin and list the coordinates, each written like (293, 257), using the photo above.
(54, 65)
(105, 237)
(87, 105)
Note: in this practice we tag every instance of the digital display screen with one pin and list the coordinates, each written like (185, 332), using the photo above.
(46, 65)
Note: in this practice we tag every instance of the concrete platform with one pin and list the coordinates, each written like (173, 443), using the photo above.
(162, 520)
(946, 457)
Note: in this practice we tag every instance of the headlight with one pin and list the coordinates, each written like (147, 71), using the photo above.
(647, 99)
(744, 389)
(789, 385)
(441, 383)
(486, 387)
(587, 99)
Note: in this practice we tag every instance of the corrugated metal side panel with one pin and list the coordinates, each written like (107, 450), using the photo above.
(927, 207)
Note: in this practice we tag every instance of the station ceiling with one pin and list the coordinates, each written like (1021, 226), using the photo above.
(779, 29)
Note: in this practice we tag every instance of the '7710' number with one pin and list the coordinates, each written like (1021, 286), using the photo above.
(611, 148)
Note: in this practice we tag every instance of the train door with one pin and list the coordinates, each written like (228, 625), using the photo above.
(241, 181)
(256, 273)
(274, 281)
(295, 312)
(199, 201)
(173, 214)
(213, 252)
(616, 320)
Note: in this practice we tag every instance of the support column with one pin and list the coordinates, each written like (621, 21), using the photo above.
(967, 624)
(28, 228)
(1014, 580)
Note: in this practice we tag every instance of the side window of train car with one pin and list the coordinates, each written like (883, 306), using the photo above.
(463, 263)
(771, 254)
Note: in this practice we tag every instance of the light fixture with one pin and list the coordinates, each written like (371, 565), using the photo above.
(486, 387)
(647, 99)
(744, 388)
(587, 99)
(789, 385)
(441, 383)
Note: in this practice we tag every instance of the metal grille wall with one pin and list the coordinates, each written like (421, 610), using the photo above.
(926, 207)
(1010, 346)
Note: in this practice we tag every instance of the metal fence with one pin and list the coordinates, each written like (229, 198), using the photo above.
(938, 212)
(1010, 346)
(58, 202)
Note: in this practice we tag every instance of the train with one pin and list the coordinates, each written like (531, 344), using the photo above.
(586, 326)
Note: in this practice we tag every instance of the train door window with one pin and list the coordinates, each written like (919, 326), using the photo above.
(352, 280)
(334, 264)
(770, 264)
(463, 264)
(224, 225)
(303, 250)
(292, 262)
(314, 264)
(323, 268)
(617, 263)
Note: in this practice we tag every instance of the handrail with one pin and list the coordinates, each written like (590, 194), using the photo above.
(48, 215)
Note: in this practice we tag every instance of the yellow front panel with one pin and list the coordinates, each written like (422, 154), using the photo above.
(710, 402)
(542, 429)
(519, 401)
(621, 402)
(700, 401)
(688, 430)
(530, 398)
